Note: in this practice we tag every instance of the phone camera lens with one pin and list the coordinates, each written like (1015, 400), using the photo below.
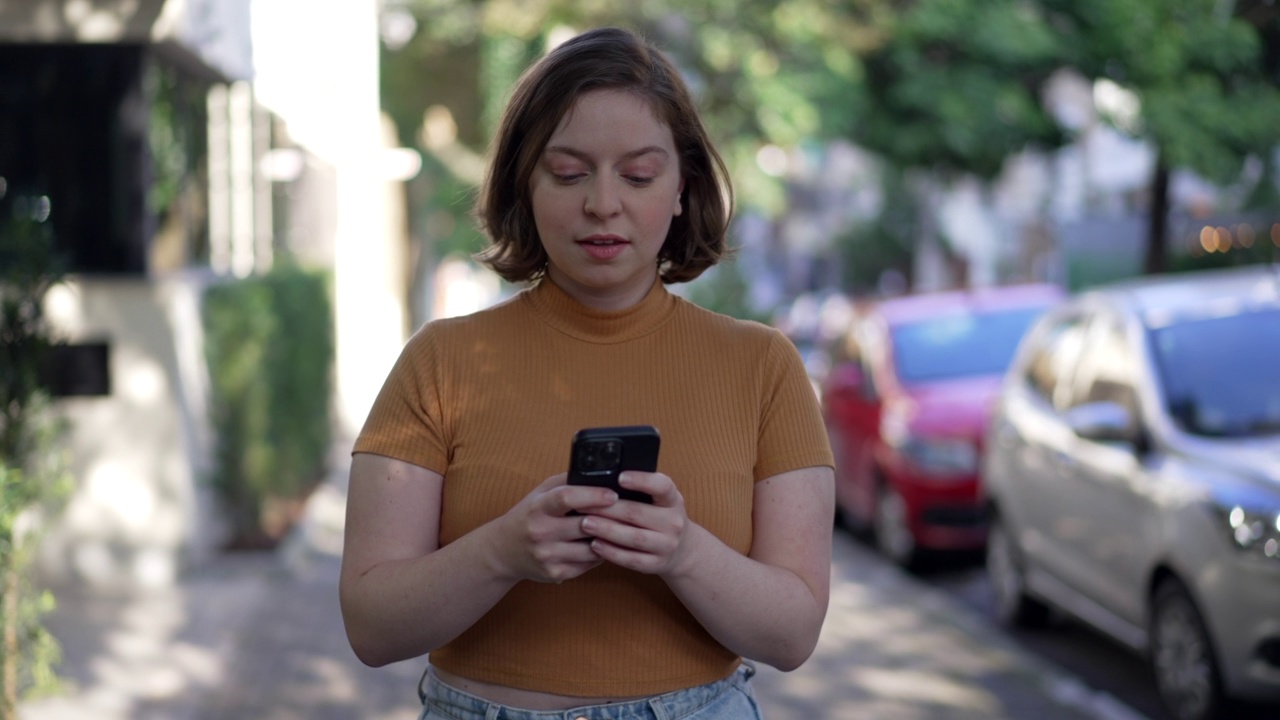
(601, 455)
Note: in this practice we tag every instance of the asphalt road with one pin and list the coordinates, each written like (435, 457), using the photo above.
(1102, 664)
(1099, 662)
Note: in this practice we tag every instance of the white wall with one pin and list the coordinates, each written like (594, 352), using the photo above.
(141, 509)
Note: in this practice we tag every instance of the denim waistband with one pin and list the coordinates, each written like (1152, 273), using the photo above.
(454, 703)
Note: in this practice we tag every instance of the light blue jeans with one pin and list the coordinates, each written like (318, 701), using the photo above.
(727, 699)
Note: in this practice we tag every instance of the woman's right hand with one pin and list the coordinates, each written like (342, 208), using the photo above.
(539, 540)
(403, 594)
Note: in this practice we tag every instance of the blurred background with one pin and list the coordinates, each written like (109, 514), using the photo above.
(221, 219)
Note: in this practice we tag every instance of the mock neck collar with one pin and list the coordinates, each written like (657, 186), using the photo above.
(562, 312)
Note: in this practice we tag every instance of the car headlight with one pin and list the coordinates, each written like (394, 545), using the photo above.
(1255, 531)
(940, 456)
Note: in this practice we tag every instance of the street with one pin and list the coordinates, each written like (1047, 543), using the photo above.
(896, 646)
(259, 635)
(1102, 664)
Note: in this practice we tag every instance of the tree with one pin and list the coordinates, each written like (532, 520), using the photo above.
(956, 88)
(765, 72)
(953, 92)
(1205, 76)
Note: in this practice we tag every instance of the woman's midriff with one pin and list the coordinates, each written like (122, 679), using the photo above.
(524, 699)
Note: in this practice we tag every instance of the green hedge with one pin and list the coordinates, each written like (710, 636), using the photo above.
(33, 481)
(269, 348)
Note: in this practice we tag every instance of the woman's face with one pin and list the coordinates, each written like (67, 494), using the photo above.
(604, 193)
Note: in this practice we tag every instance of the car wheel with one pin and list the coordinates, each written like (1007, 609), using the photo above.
(1181, 656)
(892, 534)
(1005, 570)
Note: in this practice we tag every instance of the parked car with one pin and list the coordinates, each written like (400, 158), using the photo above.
(906, 402)
(1133, 473)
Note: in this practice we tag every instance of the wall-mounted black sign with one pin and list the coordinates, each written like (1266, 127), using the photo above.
(78, 370)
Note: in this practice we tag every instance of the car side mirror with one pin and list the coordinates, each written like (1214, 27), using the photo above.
(1103, 422)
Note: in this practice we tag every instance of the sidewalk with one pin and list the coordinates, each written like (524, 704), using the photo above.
(259, 636)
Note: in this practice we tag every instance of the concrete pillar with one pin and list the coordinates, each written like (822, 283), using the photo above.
(321, 76)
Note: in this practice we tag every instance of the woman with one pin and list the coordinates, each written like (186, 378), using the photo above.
(463, 539)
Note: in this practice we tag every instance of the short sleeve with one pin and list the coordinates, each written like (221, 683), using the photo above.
(407, 420)
(792, 433)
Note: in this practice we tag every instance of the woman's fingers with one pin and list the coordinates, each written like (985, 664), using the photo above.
(658, 486)
(640, 536)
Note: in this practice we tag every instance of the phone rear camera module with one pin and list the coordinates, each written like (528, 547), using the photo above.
(600, 455)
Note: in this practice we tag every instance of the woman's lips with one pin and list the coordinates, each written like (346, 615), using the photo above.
(603, 248)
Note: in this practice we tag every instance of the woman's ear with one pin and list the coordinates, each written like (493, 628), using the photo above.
(679, 194)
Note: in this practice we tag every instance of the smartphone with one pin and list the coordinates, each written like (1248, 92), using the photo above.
(600, 454)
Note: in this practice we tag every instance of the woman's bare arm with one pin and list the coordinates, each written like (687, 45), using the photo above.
(403, 595)
(768, 605)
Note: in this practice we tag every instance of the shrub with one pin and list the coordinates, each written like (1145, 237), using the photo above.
(31, 482)
(269, 348)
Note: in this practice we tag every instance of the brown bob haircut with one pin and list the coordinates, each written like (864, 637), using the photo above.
(601, 59)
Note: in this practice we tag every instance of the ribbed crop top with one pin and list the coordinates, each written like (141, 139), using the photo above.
(491, 401)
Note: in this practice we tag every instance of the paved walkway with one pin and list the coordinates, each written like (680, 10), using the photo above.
(259, 636)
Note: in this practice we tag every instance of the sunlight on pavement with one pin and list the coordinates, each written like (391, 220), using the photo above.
(144, 661)
(929, 687)
(894, 649)
(127, 656)
(336, 679)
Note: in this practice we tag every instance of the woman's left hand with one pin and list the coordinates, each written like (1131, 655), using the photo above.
(642, 537)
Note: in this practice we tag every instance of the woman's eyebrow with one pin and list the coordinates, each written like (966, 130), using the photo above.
(626, 156)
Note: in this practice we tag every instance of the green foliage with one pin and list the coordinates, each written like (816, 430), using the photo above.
(443, 211)
(28, 652)
(950, 87)
(32, 485)
(887, 243)
(1205, 75)
(269, 347)
(764, 71)
(1207, 98)
(29, 266)
(722, 289)
(955, 89)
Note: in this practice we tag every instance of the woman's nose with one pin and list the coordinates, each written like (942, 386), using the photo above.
(603, 199)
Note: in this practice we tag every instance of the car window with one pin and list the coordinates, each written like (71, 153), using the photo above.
(1053, 358)
(958, 345)
(1107, 367)
(1218, 374)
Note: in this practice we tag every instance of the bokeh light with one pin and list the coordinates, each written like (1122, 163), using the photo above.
(1208, 239)
(1246, 235)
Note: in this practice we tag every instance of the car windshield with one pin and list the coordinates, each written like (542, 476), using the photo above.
(959, 345)
(1219, 375)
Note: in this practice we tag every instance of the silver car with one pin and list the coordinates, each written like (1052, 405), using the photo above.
(1133, 473)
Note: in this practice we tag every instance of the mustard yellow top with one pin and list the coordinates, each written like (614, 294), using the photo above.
(491, 402)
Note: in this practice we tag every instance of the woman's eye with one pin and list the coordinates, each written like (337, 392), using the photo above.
(567, 178)
(638, 180)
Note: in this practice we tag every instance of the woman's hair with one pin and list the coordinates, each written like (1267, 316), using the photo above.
(601, 59)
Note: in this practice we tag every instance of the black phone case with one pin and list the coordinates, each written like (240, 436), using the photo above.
(640, 445)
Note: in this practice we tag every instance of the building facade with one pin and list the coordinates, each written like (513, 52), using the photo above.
(135, 132)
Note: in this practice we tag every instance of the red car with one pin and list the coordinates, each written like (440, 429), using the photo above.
(906, 402)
